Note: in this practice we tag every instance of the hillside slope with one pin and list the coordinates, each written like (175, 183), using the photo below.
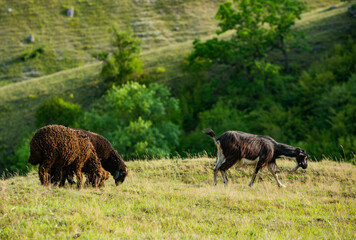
(18, 101)
(70, 41)
(175, 199)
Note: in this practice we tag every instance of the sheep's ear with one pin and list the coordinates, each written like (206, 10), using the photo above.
(116, 175)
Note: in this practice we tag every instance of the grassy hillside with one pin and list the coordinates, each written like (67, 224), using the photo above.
(69, 42)
(175, 199)
(18, 101)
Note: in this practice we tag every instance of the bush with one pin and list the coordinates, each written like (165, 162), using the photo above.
(139, 120)
(123, 61)
(20, 156)
(57, 111)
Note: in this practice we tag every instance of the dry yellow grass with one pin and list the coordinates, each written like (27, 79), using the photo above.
(175, 199)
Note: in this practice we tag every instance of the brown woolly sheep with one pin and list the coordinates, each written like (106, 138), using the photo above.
(64, 149)
(245, 148)
(111, 161)
(94, 172)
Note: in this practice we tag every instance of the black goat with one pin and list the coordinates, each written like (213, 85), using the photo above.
(245, 148)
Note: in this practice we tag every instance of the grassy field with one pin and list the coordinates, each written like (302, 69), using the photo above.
(175, 199)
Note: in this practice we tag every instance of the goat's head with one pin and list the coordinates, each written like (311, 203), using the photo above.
(302, 158)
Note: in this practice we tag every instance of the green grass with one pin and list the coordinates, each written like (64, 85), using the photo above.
(175, 199)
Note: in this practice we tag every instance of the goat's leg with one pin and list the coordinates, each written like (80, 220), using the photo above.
(215, 177)
(295, 168)
(258, 167)
(272, 168)
(216, 164)
(225, 180)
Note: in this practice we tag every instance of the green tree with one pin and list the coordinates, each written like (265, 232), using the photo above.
(139, 120)
(123, 60)
(259, 26)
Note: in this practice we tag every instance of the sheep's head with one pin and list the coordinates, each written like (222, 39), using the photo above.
(119, 176)
(118, 168)
(302, 158)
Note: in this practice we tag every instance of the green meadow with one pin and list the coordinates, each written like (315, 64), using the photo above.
(175, 199)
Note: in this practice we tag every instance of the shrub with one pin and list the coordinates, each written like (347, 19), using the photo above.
(57, 111)
(19, 157)
(139, 120)
(123, 61)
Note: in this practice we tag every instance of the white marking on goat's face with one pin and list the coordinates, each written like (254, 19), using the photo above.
(302, 160)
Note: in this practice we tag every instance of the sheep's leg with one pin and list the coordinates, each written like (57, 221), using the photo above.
(63, 176)
(215, 177)
(52, 175)
(78, 174)
(43, 170)
(272, 168)
(79, 179)
(225, 180)
(70, 178)
(97, 181)
(58, 176)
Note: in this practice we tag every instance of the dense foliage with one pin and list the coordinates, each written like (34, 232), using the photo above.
(123, 61)
(259, 26)
(139, 120)
(57, 111)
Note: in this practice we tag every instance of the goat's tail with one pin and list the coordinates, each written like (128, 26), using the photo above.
(211, 134)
